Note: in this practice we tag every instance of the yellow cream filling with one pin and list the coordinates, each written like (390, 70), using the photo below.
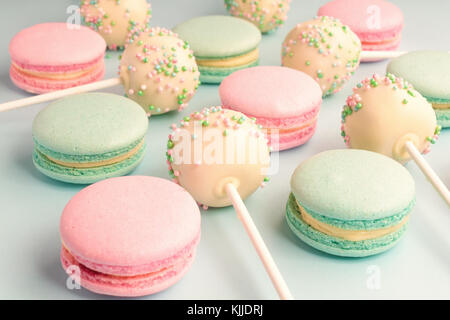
(303, 126)
(115, 275)
(441, 106)
(237, 61)
(382, 42)
(102, 163)
(351, 235)
(55, 75)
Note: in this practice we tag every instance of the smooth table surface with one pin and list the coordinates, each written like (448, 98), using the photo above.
(226, 266)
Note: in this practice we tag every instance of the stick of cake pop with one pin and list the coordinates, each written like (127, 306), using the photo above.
(428, 171)
(94, 86)
(387, 115)
(99, 85)
(220, 157)
(258, 242)
(157, 70)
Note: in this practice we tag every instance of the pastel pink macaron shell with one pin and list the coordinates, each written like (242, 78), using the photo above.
(270, 92)
(56, 47)
(135, 286)
(371, 20)
(131, 226)
(279, 98)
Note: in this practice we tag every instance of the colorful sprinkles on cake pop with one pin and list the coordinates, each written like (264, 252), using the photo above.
(159, 69)
(267, 15)
(325, 49)
(98, 15)
(354, 102)
(224, 120)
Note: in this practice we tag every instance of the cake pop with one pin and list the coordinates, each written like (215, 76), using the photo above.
(214, 147)
(325, 49)
(113, 19)
(158, 70)
(267, 15)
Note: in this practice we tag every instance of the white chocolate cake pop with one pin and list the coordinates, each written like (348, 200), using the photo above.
(158, 70)
(114, 19)
(385, 112)
(215, 147)
(267, 15)
(325, 49)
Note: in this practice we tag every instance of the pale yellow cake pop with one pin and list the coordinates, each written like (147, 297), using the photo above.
(158, 70)
(325, 49)
(214, 147)
(385, 112)
(114, 19)
(267, 15)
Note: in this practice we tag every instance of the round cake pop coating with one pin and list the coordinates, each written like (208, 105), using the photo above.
(385, 112)
(114, 19)
(325, 49)
(267, 15)
(214, 147)
(158, 70)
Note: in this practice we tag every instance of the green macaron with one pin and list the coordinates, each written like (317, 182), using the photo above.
(89, 137)
(350, 202)
(429, 73)
(221, 45)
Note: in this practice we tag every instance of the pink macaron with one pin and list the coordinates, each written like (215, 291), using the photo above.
(54, 56)
(129, 236)
(284, 101)
(378, 23)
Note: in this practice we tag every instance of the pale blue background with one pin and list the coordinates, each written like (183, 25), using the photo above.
(226, 267)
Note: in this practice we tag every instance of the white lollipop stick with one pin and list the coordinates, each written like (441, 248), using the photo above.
(59, 94)
(428, 172)
(380, 55)
(258, 242)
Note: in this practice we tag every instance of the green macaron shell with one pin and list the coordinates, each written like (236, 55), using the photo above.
(350, 189)
(216, 75)
(429, 73)
(352, 186)
(337, 246)
(86, 175)
(89, 124)
(89, 128)
(215, 37)
(443, 117)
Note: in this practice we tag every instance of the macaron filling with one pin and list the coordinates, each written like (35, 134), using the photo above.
(68, 74)
(230, 62)
(99, 163)
(174, 262)
(349, 234)
(336, 245)
(439, 103)
(288, 125)
(90, 161)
